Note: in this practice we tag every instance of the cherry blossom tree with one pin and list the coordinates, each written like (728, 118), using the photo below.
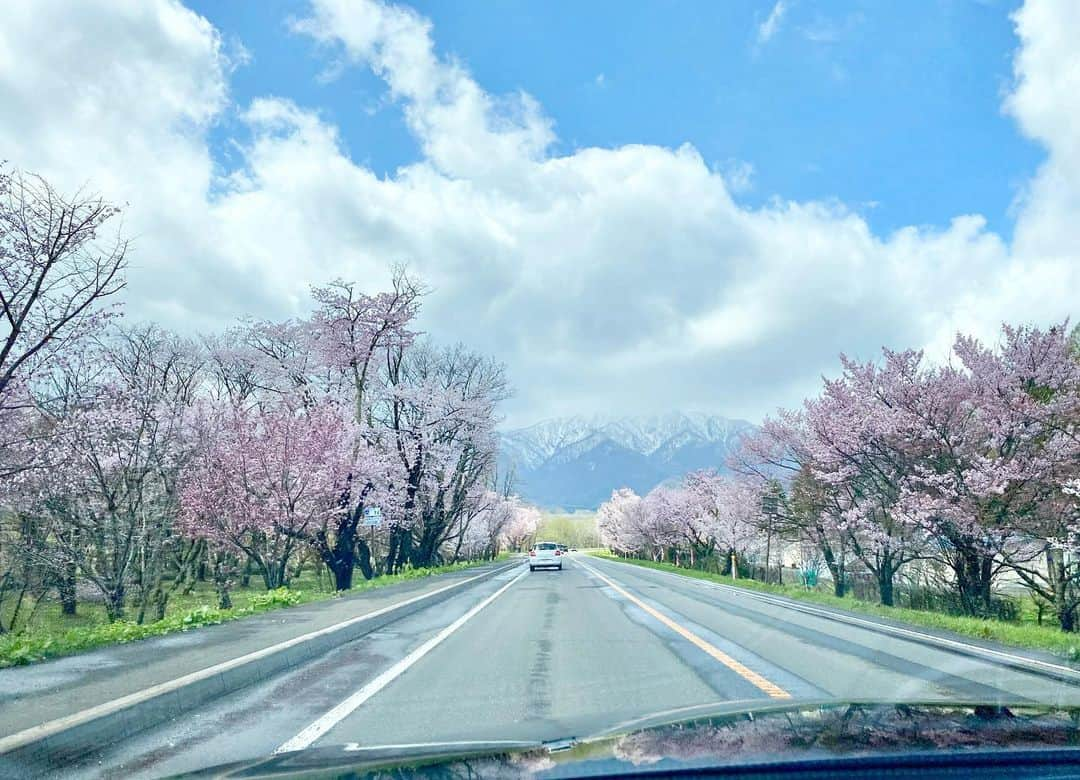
(354, 332)
(685, 508)
(859, 449)
(778, 453)
(440, 415)
(631, 524)
(666, 514)
(154, 363)
(57, 273)
(520, 530)
(423, 419)
(265, 476)
(898, 466)
(493, 521)
(24, 436)
(355, 335)
(619, 521)
(340, 352)
(731, 508)
(302, 425)
(998, 438)
(968, 462)
(108, 498)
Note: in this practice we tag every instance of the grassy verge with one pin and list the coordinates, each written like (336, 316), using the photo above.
(1020, 634)
(51, 634)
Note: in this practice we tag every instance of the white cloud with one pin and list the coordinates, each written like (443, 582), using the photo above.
(738, 175)
(1046, 105)
(465, 132)
(623, 279)
(827, 31)
(767, 29)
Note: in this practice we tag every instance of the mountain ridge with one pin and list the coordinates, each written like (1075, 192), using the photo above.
(575, 462)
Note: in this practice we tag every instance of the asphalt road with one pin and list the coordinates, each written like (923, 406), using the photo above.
(553, 655)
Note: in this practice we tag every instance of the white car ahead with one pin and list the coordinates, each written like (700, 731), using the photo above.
(545, 554)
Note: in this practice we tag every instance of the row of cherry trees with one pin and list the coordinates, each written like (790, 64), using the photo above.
(135, 461)
(971, 466)
(704, 518)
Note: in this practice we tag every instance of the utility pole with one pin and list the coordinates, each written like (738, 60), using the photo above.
(768, 508)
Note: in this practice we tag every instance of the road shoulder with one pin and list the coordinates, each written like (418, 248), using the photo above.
(99, 691)
(1049, 662)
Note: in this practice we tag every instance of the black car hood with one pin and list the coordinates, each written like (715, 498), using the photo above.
(731, 735)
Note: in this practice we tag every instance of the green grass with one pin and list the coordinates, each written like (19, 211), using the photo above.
(52, 634)
(1024, 633)
(576, 529)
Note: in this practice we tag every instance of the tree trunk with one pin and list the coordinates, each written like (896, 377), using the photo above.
(399, 550)
(14, 619)
(341, 556)
(114, 603)
(271, 571)
(160, 602)
(835, 565)
(1067, 618)
(155, 602)
(224, 567)
(66, 587)
(885, 585)
(343, 578)
(768, 550)
(986, 575)
(364, 559)
(277, 575)
(425, 552)
(1064, 604)
(973, 571)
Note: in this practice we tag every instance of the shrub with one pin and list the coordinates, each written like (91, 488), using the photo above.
(279, 597)
(27, 647)
(949, 603)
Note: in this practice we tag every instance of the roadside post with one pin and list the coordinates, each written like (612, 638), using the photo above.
(372, 519)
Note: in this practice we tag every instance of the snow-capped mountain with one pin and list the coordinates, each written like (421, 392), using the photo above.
(576, 461)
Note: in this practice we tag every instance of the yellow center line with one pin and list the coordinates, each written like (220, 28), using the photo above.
(775, 691)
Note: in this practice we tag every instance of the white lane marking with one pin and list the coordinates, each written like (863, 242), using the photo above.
(306, 737)
(355, 747)
(49, 728)
(884, 627)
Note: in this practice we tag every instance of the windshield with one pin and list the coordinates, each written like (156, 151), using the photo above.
(398, 377)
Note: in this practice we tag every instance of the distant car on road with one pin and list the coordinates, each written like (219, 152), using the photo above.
(545, 554)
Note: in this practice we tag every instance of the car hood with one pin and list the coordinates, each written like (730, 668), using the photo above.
(730, 734)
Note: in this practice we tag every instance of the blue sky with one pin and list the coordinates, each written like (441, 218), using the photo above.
(700, 208)
(892, 108)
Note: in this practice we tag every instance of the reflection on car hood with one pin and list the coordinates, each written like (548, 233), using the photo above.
(729, 734)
